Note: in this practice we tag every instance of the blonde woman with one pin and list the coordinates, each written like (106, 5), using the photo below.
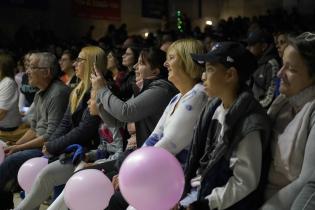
(77, 127)
(174, 130)
(183, 110)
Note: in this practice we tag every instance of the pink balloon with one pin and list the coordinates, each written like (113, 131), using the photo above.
(2, 155)
(88, 189)
(29, 170)
(151, 178)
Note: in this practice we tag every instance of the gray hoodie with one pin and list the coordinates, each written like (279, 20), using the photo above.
(145, 109)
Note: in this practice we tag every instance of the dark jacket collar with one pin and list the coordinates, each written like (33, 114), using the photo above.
(269, 54)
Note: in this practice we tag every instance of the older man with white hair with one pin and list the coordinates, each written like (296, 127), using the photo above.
(50, 103)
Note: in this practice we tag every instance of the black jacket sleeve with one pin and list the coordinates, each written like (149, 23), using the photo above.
(64, 126)
(83, 134)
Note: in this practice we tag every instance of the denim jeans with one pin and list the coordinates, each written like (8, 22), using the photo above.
(11, 164)
(306, 198)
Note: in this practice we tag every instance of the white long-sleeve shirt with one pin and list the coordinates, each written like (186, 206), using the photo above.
(174, 130)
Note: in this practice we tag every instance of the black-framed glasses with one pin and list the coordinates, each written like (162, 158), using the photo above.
(34, 68)
(78, 59)
(63, 59)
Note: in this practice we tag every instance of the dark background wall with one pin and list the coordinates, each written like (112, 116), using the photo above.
(58, 14)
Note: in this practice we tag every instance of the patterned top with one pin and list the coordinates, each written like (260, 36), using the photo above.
(174, 130)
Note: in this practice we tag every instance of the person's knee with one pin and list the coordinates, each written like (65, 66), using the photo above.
(45, 174)
(53, 174)
(12, 161)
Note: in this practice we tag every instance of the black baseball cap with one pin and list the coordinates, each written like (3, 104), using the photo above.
(230, 54)
(259, 37)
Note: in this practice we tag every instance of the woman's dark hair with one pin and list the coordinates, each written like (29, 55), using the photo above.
(73, 54)
(156, 58)
(305, 45)
(117, 54)
(136, 49)
(7, 65)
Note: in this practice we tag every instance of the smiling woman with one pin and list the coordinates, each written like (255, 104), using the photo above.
(148, 105)
(294, 73)
(181, 112)
(292, 114)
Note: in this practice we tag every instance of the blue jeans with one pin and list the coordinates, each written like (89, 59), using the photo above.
(306, 198)
(11, 165)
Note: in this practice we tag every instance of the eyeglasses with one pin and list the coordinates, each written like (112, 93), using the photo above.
(34, 68)
(78, 60)
(128, 54)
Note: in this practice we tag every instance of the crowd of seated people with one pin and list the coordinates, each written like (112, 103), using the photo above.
(234, 104)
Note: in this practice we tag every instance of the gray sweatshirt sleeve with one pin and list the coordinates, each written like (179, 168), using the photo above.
(106, 117)
(135, 108)
(114, 148)
(284, 198)
(56, 109)
(246, 165)
(33, 117)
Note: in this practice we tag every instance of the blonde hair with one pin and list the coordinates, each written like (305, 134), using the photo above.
(184, 48)
(91, 53)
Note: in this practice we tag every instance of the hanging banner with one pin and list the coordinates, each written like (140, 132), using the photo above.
(97, 9)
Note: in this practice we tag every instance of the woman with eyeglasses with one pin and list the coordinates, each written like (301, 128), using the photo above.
(77, 127)
(26, 89)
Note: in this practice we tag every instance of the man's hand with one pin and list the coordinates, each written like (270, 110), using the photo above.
(87, 165)
(9, 143)
(12, 149)
(115, 182)
(45, 152)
